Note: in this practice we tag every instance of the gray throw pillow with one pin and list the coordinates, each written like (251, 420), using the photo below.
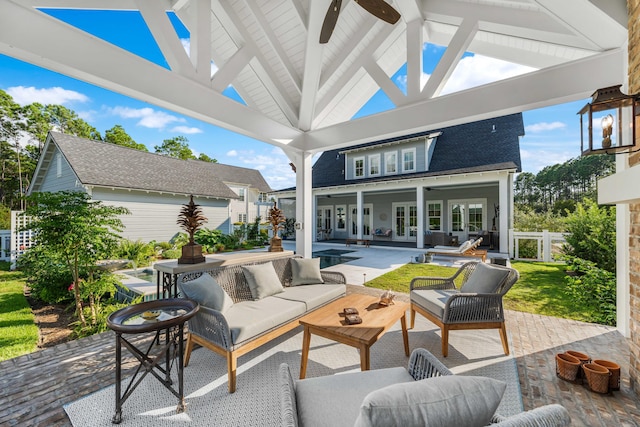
(262, 279)
(485, 279)
(453, 400)
(207, 292)
(305, 271)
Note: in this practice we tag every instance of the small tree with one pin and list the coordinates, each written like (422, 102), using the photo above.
(82, 231)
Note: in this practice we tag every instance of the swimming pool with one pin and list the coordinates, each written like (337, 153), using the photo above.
(331, 257)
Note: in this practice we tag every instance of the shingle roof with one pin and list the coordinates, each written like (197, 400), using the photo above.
(109, 165)
(471, 147)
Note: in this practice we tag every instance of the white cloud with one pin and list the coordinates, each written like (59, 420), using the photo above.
(544, 126)
(149, 117)
(535, 160)
(186, 129)
(232, 153)
(52, 95)
(272, 163)
(478, 70)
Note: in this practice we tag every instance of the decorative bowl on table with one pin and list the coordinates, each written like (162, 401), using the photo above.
(151, 314)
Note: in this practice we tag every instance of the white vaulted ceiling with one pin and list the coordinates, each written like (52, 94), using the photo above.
(301, 95)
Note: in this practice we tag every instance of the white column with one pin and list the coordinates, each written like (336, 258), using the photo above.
(421, 208)
(304, 204)
(360, 215)
(505, 187)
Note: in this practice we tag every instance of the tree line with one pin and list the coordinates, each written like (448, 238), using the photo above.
(23, 132)
(559, 187)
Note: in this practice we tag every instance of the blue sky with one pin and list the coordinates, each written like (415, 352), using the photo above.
(552, 133)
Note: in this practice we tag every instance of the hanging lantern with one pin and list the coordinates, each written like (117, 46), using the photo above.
(608, 123)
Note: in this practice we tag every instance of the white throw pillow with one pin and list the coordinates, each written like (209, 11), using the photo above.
(485, 279)
(207, 292)
(262, 279)
(305, 271)
(449, 401)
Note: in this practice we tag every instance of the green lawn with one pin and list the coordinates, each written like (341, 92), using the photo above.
(18, 332)
(539, 289)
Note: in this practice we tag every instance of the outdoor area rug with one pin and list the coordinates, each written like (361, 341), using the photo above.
(256, 400)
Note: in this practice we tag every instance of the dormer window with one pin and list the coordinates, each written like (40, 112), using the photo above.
(358, 167)
(391, 163)
(409, 160)
(374, 165)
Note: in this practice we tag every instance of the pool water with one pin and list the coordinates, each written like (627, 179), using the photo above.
(146, 274)
(331, 257)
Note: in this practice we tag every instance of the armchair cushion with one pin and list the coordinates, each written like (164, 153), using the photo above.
(305, 271)
(262, 279)
(432, 300)
(335, 400)
(442, 401)
(485, 279)
(207, 292)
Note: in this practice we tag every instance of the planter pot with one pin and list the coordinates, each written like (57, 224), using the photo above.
(191, 254)
(567, 366)
(614, 368)
(597, 377)
(583, 358)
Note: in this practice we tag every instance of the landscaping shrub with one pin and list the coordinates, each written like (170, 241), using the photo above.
(172, 253)
(47, 273)
(138, 252)
(594, 287)
(592, 234)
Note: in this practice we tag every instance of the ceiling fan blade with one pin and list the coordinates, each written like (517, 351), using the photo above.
(380, 9)
(330, 20)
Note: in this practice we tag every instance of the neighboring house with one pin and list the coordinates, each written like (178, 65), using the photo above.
(456, 180)
(152, 186)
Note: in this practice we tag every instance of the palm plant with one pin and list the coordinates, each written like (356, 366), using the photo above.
(191, 219)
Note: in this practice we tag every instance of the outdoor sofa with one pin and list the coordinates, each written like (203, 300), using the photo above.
(435, 238)
(424, 394)
(245, 306)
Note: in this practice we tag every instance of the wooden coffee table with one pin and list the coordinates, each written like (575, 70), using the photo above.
(329, 322)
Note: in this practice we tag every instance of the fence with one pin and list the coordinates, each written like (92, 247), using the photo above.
(547, 244)
(20, 240)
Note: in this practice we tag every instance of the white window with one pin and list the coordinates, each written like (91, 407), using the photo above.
(434, 215)
(390, 163)
(374, 165)
(341, 217)
(241, 194)
(358, 167)
(409, 160)
(58, 165)
(242, 217)
(262, 197)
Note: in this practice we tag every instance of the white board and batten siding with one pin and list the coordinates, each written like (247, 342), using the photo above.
(153, 216)
(60, 177)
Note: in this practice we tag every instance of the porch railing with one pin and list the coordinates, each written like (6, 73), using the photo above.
(547, 245)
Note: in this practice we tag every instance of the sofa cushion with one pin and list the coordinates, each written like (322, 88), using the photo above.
(335, 400)
(206, 290)
(432, 300)
(248, 319)
(439, 401)
(262, 279)
(485, 279)
(313, 295)
(305, 271)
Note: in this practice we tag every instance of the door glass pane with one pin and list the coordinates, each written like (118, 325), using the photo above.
(354, 221)
(366, 230)
(475, 217)
(327, 219)
(319, 219)
(413, 221)
(457, 217)
(400, 221)
(341, 214)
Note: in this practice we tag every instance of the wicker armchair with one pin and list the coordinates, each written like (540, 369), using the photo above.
(442, 301)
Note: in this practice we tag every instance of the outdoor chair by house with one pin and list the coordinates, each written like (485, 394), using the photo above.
(470, 299)
(439, 238)
(426, 393)
(466, 249)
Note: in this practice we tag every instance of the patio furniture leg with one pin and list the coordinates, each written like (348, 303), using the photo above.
(187, 354)
(503, 337)
(413, 318)
(232, 363)
(445, 340)
(405, 334)
(306, 341)
(365, 358)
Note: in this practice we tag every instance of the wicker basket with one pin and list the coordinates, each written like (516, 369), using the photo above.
(597, 377)
(567, 366)
(614, 368)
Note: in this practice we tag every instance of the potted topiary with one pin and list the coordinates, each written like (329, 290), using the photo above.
(277, 220)
(190, 220)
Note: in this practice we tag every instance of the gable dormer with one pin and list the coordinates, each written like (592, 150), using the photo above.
(404, 156)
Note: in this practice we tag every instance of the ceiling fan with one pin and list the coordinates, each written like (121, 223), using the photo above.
(378, 8)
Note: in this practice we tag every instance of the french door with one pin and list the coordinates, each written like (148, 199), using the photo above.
(367, 208)
(405, 221)
(467, 216)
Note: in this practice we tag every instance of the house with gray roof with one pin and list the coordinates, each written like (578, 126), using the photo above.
(456, 180)
(153, 187)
